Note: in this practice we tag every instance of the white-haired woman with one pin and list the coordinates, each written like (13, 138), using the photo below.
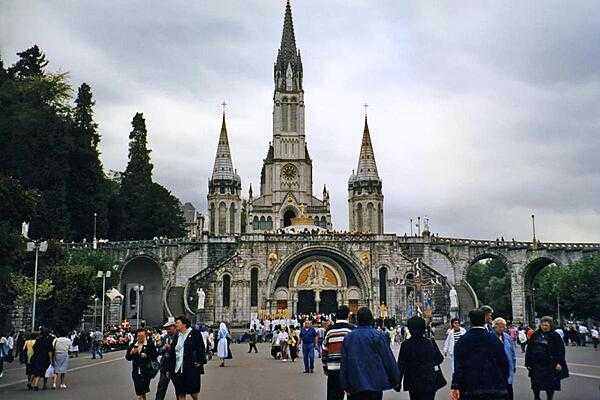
(499, 325)
(223, 344)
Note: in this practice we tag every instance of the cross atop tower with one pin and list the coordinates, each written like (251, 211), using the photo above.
(365, 106)
(223, 104)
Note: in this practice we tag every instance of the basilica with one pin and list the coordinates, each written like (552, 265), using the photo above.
(276, 252)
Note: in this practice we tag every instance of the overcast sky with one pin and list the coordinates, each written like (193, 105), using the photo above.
(480, 115)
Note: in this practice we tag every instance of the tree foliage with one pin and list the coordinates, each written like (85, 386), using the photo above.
(491, 282)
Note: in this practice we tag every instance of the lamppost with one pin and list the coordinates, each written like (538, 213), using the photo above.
(533, 302)
(103, 275)
(95, 298)
(95, 243)
(37, 246)
(138, 289)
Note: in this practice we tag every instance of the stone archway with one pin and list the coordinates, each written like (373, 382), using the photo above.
(143, 271)
(531, 270)
(344, 275)
(497, 271)
(288, 215)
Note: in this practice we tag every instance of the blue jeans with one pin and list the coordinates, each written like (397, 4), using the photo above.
(97, 349)
(308, 354)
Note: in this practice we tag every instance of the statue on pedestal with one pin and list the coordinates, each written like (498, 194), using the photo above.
(201, 297)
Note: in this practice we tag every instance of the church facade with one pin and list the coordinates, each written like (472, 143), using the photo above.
(275, 269)
(275, 252)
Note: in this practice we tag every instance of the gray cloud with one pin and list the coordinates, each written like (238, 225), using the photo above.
(480, 115)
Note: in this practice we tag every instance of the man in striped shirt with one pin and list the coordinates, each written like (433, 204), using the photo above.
(332, 352)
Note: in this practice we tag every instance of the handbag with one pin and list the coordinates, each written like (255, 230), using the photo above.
(49, 372)
(438, 376)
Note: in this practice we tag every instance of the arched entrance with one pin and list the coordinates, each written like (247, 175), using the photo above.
(288, 216)
(488, 277)
(144, 272)
(318, 280)
(536, 303)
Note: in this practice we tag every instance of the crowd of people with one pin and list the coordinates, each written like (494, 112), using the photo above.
(356, 353)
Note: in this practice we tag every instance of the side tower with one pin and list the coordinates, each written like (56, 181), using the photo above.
(224, 188)
(365, 199)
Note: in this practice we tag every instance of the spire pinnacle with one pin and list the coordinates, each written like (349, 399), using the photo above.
(223, 168)
(288, 56)
(367, 168)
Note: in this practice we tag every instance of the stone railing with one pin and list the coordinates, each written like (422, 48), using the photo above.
(516, 244)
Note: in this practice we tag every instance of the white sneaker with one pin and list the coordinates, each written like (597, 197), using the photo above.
(1, 374)
(63, 386)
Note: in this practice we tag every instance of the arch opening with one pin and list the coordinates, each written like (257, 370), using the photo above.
(287, 217)
(488, 277)
(143, 272)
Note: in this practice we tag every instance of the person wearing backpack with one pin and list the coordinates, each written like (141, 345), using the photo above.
(419, 363)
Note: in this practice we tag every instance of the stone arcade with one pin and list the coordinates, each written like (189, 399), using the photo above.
(277, 253)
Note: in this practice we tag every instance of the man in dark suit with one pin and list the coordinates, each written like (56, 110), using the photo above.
(480, 364)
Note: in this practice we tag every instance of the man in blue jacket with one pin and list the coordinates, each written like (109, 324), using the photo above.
(480, 364)
(367, 366)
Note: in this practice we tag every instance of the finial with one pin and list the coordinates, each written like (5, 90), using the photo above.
(223, 104)
(365, 106)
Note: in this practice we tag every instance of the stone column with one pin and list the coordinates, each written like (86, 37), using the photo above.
(517, 293)
(317, 299)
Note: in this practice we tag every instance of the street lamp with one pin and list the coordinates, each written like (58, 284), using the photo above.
(95, 243)
(103, 275)
(37, 246)
(95, 298)
(533, 302)
(138, 289)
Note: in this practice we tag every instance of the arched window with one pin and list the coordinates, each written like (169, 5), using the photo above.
(370, 218)
(269, 223)
(262, 223)
(284, 115)
(212, 218)
(359, 217)
(293, 116)
(380, 219)
(323, 222)
(226, 290)
(222, 218)
(254, 287)
(317, 221)
(383, 285)
(255, 224)
(232, 218)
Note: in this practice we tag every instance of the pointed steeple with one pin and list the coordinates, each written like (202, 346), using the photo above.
(288, 56)
(367, 168)
(223, 168)
(288, 40)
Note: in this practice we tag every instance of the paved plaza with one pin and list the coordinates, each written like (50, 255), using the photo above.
(257, 376)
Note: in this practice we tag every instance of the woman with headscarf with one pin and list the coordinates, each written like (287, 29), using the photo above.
(223, 344)
(419, 362)
(545, 359)
(499, 325)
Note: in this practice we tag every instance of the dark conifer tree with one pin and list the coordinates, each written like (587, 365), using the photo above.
(32, 63)
(88, 191)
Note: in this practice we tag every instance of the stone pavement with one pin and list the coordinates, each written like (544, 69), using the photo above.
(257, 376)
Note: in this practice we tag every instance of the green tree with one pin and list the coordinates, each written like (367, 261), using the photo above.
(18, 206)
(34, 146)
(490, 280)
(31, 64)
(87, 185)
(147, 209)
(579, 288)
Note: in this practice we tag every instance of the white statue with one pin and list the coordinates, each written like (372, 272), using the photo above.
(453, 298)
(201, 297)
(25, 230)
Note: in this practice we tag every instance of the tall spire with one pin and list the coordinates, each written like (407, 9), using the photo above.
(288, 40)
(223, 168)
(288, 56)
(367, 168)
